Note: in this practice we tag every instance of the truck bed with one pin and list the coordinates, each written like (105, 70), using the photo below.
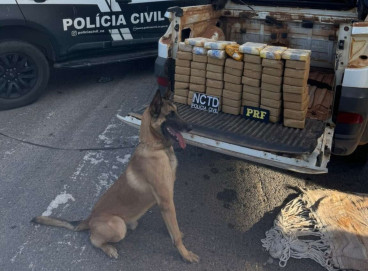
(253, 134)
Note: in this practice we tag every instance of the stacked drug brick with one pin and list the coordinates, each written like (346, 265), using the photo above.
(232, 93)
(215, 67)
(252, 73)
(198, 67)
(295, 88)
(182, 73)
(271, 86)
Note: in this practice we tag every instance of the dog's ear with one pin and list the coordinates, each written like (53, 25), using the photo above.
(155, 106)
(168, 94)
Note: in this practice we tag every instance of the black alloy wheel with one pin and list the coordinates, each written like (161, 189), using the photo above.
(18, 75)
(24, 74)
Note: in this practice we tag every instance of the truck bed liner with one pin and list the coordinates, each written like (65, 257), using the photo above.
(253, 134)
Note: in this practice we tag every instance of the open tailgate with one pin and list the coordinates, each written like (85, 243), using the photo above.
(302, 150)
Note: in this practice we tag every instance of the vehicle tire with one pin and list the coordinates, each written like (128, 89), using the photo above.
(24, 74)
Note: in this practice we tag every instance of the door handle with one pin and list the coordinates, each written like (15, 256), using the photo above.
(40, 1)
(123, 1)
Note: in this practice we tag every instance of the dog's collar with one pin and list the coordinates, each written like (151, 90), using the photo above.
(157, 145)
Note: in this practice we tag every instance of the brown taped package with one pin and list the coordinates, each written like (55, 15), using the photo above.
(294, 123)
(233, 87)
(214, 91)
(270, 79)
(198, 65)
(251, 81)
(200, 58)
(273, 111)
(180, 99)
(252, 59)
(270, 87)
(274, 119)
(214, 83)
(190, 97)
(197, 72)
(182, 70)
(293, 73)
(214, 75)
(190, 94)
(294, 89)
(273, 63)
(271, 103)
(181, 92)
(184, 55)
(231, 94)
(215, 61)
(253, 67)
(249, 103)
(181, 84)
(232, 78)
(251, 89)
(295, 114)
(271, 95)
(230, 102)
(215, 68)
(231, 110)
(297, 106)
(295, 81)
(298, 65)
(272, 71)
(232, 71)
(232, 63)
(295, 98)
(182, 78)
(182, 63)
(251, 97)
(252, 74)
(197, 87)
(197, 80)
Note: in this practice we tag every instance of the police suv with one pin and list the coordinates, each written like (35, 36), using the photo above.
(38, 34)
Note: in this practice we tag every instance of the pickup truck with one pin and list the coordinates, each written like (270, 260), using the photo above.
(338, 38)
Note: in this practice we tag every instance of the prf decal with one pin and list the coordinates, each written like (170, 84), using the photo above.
(256, 113)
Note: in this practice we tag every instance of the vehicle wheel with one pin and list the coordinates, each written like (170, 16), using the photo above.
(24, 74)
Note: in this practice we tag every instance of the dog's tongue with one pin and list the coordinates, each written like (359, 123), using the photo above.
(181, 140)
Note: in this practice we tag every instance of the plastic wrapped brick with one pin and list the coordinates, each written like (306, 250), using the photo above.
(199, 42)
(252, 48)
(199, 50)
(218, 45)
(233, 52)
(272, 52)
(296, 54)
(218, 54)
(185, 47)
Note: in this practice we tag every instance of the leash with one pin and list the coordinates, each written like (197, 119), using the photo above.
(67, 149)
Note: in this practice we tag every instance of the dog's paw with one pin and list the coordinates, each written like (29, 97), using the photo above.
(111, 251)
(191, 257)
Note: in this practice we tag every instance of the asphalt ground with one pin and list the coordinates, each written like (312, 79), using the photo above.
(56, 175)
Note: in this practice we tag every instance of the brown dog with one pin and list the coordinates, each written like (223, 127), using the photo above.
(148, 180)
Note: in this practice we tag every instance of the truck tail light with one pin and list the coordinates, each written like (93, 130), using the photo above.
(349, 118)
(162, 81)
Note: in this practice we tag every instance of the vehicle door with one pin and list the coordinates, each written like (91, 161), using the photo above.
(74, 25)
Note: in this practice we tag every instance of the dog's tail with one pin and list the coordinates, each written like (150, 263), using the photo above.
(70, 225)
